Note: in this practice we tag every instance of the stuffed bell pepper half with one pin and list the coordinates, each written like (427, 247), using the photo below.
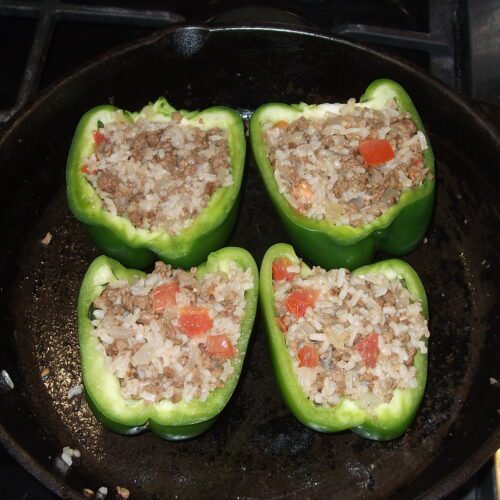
(163, 351)
(349, 349)
(159, 182)
(347, 179)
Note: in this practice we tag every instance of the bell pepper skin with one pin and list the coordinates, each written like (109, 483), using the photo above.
(172, 421)
(397, 231)
(386, 421)
(137, 247)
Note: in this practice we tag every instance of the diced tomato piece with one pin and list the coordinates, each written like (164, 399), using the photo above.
(164, 296)
(86, 170)
(368, 349)
(299, 300)
(376, 151)
(220, 345)
(279, 269)
(281, 324)
(281, 124)
(98, 137)
(195, 320)
(309, 356)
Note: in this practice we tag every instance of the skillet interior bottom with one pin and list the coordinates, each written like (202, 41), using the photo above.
(256, 448)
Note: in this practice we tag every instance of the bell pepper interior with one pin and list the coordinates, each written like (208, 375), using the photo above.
(87, 206)
(376, 97)
(103, 388)
(387, 420)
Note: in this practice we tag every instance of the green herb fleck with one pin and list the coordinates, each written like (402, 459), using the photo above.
(100, 124)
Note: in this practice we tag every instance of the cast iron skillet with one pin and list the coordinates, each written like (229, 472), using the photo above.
(256, 448)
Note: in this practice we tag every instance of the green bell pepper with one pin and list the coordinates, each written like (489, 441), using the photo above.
(173, 421)
(387, 420)
(397, 231)
(137, 247)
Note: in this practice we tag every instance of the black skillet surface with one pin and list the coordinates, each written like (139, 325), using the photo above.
(256, 448)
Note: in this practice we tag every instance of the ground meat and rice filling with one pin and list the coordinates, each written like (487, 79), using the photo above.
(159, 175)
(170, 335)
(348, 336)
(347, 168)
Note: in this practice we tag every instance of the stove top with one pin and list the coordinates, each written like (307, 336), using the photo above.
(44, 40)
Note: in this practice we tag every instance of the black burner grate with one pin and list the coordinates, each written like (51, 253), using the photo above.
(49, 13)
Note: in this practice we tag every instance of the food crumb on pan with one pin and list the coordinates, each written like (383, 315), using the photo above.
(76, 390)
(46, 239)
(6, 380)
(45, 373)
(102, 492)
(68, 454)
(493, 381)
(88, 493)
(122, 492)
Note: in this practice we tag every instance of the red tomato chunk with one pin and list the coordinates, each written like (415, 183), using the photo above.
(98, 137)
(308, 356)
(195, 320)
(220, 345)
(299, 300)
(86, 170)
(164, 296)
(279, 269)
(376, 151)
(368, 349)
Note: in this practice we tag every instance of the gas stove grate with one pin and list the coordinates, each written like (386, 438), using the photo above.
(49, 13)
